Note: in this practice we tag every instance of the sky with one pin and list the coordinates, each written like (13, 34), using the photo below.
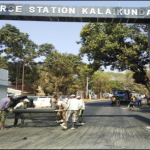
(63, 35)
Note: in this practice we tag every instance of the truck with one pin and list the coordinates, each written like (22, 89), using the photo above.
(124, 95)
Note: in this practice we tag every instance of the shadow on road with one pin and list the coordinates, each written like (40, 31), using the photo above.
(138, 117)
(36, 119)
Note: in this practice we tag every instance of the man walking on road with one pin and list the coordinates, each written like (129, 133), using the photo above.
(73, 107)
(134, 101)
(117, 101)
(81, 111)
(4, 104)
(139, 100)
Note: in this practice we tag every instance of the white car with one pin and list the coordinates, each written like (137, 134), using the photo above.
(43, 101)
(143, 96)
(106, 95)
(110, 95)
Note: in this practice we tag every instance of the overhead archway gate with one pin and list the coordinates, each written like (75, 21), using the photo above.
(59, 13)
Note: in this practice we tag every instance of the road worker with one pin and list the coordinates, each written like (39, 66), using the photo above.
(131, 104)
(81, 111)
(62, 105)
(21, 105)
(117, 101)
(54, 104)
(113, 100)
(73, 107)
(4, 104)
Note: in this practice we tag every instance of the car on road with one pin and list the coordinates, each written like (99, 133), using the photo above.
(106, 95)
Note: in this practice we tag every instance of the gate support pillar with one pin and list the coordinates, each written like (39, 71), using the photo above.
(149, 49)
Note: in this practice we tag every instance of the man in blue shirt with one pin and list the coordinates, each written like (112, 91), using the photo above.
(4, 104)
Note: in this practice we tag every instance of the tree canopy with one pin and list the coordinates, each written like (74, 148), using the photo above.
(15, 44)
(121, 46)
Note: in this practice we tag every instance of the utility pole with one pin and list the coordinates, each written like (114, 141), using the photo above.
(16, 82)
(24, 62)
(87, 86)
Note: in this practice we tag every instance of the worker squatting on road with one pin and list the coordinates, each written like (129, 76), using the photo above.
(21, 105)
(4, 104)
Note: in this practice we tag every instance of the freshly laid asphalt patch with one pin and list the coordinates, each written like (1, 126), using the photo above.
(106, 127)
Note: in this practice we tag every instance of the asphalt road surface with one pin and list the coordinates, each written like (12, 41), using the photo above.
(105, 127)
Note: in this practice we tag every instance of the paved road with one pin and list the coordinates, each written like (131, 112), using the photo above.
(106, 127)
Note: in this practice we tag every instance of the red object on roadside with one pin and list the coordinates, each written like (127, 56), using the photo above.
(148, 100)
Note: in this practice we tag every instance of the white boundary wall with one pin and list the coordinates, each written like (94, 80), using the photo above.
(13, 91)
(3, 82)
(3, 92)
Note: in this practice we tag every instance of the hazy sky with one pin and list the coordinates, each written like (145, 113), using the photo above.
(63, 35)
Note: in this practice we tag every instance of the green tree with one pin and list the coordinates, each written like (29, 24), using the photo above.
(15, 44)
(121, 46)
(30, 74)
(17, 48)
(3, 62)
(45, 49)
(59, 72)
(83, 71)
(100, 82)
(115, 85)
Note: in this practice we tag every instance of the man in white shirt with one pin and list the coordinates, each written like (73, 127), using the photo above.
(81, 110)
(73, 107)
(139, 100)
(21, 105)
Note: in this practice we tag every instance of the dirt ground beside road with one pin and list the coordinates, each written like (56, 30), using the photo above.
(92, 100)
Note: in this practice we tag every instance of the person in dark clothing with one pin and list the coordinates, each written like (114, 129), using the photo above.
(131, 105)
(113, 100)
(81, 111)
(117, 101)
(54, 105)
